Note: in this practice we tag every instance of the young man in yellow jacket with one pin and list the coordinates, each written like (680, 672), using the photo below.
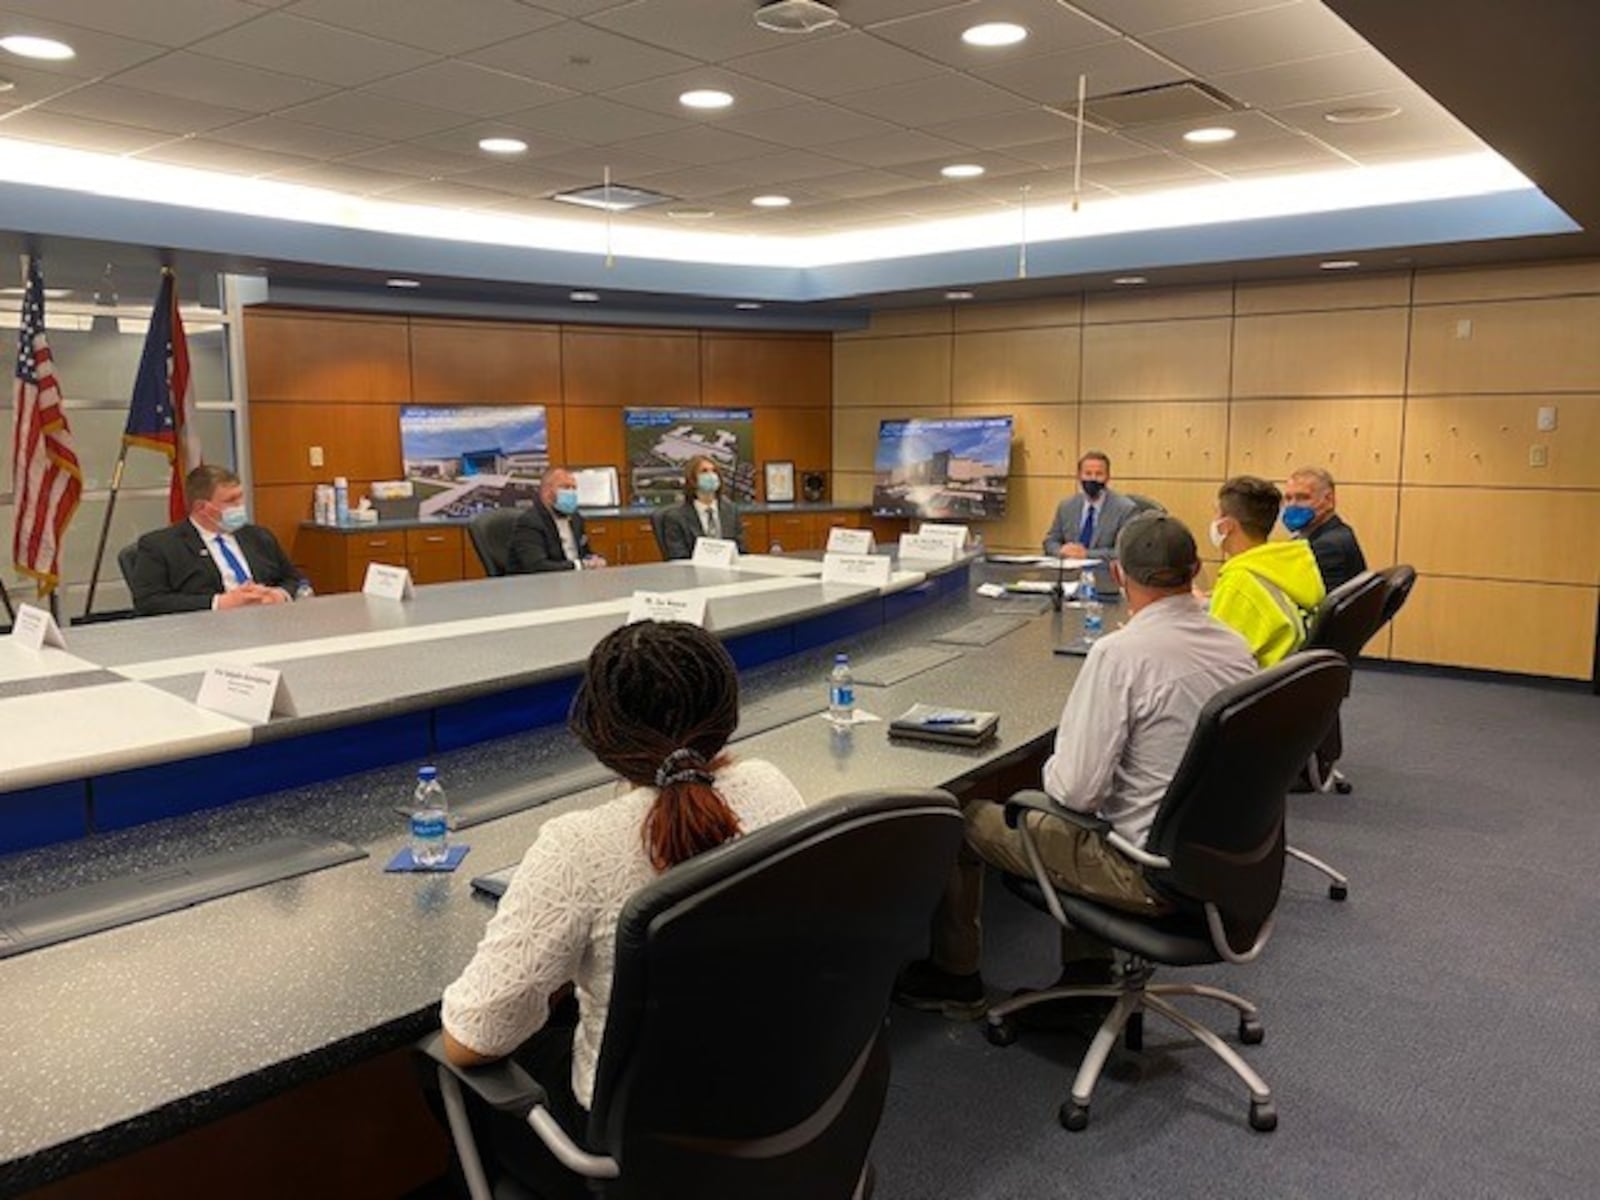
(1266, 591)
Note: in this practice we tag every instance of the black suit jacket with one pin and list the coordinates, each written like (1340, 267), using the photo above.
(1339, 556)
(680, 528)
(173, 570)
(536, 543)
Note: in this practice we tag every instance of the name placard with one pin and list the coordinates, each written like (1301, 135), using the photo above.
(668, 606)
(388, 583)
(35, 628)
(957, 535)
(247, 692)
(850, 541)
(926, 548)
(715, 552)
(859, 570)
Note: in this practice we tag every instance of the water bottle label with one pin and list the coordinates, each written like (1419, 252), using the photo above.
(842, 697)
(430, 828)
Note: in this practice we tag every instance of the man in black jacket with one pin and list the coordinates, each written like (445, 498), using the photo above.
(549, 536)
(1308, 512)
(215, 558)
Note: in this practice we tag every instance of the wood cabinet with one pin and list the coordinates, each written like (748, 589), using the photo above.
(436, 555)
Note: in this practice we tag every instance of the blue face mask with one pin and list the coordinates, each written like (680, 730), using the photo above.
(1297, 516)
(708, 483)
(233, 519)
(566, 501)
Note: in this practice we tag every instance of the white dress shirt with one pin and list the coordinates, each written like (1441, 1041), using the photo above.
(208, 539)
(569, 544)
(1134, 707)
(710, 525)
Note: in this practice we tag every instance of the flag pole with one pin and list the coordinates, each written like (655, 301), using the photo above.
(5, 598)
(105, 530)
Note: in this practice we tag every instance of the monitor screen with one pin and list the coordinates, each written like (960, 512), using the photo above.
(944, 468)
(464, 459)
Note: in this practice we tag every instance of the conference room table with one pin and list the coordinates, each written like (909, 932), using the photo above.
(132, 1034)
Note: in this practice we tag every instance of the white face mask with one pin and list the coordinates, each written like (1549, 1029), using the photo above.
(1215, 533)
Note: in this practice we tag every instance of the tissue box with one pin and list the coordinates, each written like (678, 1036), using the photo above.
(404, 509)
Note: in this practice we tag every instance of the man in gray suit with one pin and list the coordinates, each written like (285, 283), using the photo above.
(1087, 523)
(703, 513)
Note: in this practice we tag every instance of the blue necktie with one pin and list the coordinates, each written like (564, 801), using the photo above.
(1086, 534)
(240, 571)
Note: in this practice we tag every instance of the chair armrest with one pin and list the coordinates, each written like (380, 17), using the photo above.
(1031, 800)
(503, 1085)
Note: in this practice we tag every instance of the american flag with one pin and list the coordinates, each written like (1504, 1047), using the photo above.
(162, 415)
(47, 481)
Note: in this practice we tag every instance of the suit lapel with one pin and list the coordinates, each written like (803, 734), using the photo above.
(199, 550)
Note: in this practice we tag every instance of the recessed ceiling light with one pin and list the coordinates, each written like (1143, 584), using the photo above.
(24, 46)
(1129, 280)
(961, 171)
(691, 214)
(706, 98)
(502, 145)
(994, 33)
(402, 283)
(1340, 264)
(1363, 114)
(772, 201)
(1210, 135)
(748, 305)
(958, 295)
(584, 297)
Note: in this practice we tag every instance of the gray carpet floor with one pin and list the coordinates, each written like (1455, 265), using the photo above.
(1436, 1035)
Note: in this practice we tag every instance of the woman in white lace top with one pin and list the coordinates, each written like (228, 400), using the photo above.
(657, 704)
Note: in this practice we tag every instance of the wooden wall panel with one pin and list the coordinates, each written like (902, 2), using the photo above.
(1514, 346)
(802, 436)
(1162, 304)
(1158, 360)
(1044, 437)
(327, 356)
(850, 487)
(1370, 509)
(1030, 507)
(1550, 537)
(359, 441)
(855, 433)
(1465, 622)
(742, 370)
(1192, 501)
(1168, 440)
(1322, 295)
(1030, 366)
(1360, 352)
(1022, 314)
(1518, 281)
(899, 322)
(593, 437)
(1356, 440)
(479, 362)
(878, 372)
(1486, 440)
(281, 507)
(630, 368)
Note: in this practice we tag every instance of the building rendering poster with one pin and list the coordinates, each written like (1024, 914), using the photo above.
(465, 459)
(952, 468)
(659, 442)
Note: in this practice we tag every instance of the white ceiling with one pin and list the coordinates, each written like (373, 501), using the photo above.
(388, 98)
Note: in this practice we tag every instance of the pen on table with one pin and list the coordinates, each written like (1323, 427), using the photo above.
(948, 719)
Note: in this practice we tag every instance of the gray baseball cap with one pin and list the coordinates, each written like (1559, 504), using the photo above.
(1157, 550)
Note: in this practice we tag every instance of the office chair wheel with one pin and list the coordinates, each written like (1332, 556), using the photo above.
(1000, 1033)
(1075, 1116)
(1338, 891)
(1263, 1117)
(1343, 786)
(1251, 1032)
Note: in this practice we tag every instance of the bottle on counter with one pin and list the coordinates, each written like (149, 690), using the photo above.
(1094, 619)
(341, 500)
(841, 692)
(322, 506)
(430, 820)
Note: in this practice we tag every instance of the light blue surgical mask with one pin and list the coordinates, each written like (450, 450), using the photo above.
(708, 482)
(1297, 516)
(567, 500)
(233, 519)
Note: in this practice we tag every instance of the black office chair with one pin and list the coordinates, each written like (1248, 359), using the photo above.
(490, 532)
(1215, 851)
(1145, 504)
(744, 1047)
(125, 560)
(1399, 580)
(658, 518)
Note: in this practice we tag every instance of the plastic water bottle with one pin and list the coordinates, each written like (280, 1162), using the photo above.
(841, 692)
(1094, 620)
(430, 820)
(341, 500)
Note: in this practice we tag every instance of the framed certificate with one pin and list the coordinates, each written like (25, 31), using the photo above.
(780, 482)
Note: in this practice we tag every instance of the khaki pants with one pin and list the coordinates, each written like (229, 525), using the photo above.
(1076, 861)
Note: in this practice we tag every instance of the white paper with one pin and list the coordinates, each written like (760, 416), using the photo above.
(957, 535)
(850, 541)
(388, 583)
(668, 606)
(35, 628)
(247, 692)
(992, 590)
(597, 487)
(715, 552)
(861, 570)
(858, 716)
(1078, 564)
(926, 548)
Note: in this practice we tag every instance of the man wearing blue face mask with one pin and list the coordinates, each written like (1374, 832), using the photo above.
(215, 559)
(1308, 512)
(549, 536)
(705, 512)
(1087, 523)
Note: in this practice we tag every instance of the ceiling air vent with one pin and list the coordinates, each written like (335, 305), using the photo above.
(796, 16)
(613, 197)
(1166, 104)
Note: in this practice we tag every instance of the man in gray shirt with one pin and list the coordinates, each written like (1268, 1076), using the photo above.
(1123, 733)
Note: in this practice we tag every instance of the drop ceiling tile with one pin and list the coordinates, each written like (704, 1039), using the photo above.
(381, 117)
(923, 102)
(1248, 126)
(464, 140)
(596, 121)
(710, 30)
(466, 88)
(785, 167)
(1423, 126)
(339, 177)
(1284, 153)
(411, 158)
(1052, 79)
(1140, 17)
(278, 42)
(697, 183)
(213, 81)
(170, 22)
(1051, 27)
(1059, 152)
(294, 137)
(450, 28)
(1150, 168)
(832, 64)
(572, 8)
(61, 130)
(1008, 129)
(30, 87)
(590, 162)
(581, 58)
(98, 54)
(698, 145)
(889, 149)
(125, 106)
(220, 156)
(661, 95)
(527, 179)
(443, 195)
(855, 185)
(1257, 39)
(994, 164)
(808, 125)
(1306, 82)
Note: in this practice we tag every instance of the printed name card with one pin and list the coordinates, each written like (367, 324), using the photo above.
(850, 541)
(715, 552)
(668, 606)
(957, 535)
(388, 583)
(927, 548)
(35, 628)
(858, 570)
(249, 693)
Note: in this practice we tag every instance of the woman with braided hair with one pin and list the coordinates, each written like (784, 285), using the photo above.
(657, 704)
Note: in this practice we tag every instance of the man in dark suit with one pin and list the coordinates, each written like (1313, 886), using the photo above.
(549, 536)
(1309, 502)
(705, 512)
(1087, 523)
(215, 558)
